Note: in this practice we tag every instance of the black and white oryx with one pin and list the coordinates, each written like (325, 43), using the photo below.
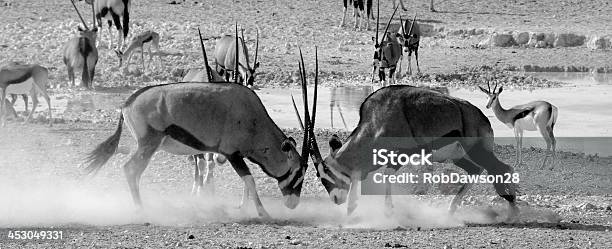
(448, 127)
(114, 11)
(193, 118)
(226, 56)
(536, 115)
(24, 79)
(387, 52)
(138, 42)
(361, 8)
(410, 42)
(81, 53)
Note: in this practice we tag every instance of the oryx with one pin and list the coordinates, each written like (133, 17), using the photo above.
(192, 118)
(117, 12)
(536, 115)
(24, 79)
(410, 42)
(450, 128)
(361, 8)
(138, 42)
(387, 52)
(226, 56)
(81, 53)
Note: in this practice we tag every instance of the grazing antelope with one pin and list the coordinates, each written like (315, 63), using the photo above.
(410, 42)
(536, 115)
(81, 52)
(387, 53)
(24, 79)
(138, 42)
(361, 8)
(456, 131)
(226, 56)
(114, 11)
(169, 117)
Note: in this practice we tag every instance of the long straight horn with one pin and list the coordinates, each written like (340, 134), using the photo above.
(377, 20)
(93, 14)
(402, 26)
(389, 23)
(256, 48)
(79, 13)
(306, 142)
(315, 148)
(236, 56)
(412, 24)
(495, 88)
(208, 75)
(297, 113)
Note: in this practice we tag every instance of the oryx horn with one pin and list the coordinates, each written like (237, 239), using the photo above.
(236, 56)
(208, 75)
(389, 23)
(306, 142)
(412, 24)
(79, 13)
(256, 48)
(377, 20)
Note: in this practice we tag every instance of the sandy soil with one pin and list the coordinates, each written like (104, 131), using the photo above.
(42, 185)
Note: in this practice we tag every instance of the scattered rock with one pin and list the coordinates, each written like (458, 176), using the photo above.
(587, 206)
(295, 242)
(599, 42)
(569, 40)
(191, 236)
(521, 38)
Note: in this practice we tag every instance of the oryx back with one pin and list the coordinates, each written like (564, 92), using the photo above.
(225, 53)
(391, 52)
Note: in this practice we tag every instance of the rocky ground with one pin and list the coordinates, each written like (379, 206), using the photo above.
(566, 207)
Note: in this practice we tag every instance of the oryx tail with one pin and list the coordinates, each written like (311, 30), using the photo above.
(104, 151)
(84, 50)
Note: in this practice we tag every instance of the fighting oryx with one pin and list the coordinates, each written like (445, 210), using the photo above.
(410, 42)
(24, 79)
(361, 8)
(114, 11)
(138, 42)
(81, 52)
(536, 115)
(387, 52)
(226, 56)
(448, 127)
(169, 117)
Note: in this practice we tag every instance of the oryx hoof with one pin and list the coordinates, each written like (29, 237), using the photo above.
(264, 214)
(350, 209)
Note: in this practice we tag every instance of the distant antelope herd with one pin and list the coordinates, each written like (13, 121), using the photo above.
(214, 115)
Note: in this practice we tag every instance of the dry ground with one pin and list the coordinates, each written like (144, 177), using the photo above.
(567, 207)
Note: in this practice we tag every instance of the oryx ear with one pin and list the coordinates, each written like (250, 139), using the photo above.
(95, 29)
(373, 39)
(483, 90)
(288, 144)
(501, 88)
(256, 65)
(335, 143)
(80, 29)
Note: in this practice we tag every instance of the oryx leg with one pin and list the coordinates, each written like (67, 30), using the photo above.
(431, 6)
(10, 107)
(520, 149)
(516, 137)
(34, 105)
(342, 116)
(142, 58)
(472, 169)
(400, 3)
(391, 75)
(150, 56)
(71, 76)
(14, 100)
(331, 112)
(343, 13)
(243, 171)
(409, 71)
(416, 57)
(354, 192)
(110, 34)
(398, 74)
(197, 176)
(209, 180)
(548, 136)
(147, 145)
(388, 192)
(2, 101)
(117, 22)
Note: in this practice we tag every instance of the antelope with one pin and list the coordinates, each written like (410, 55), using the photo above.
(410, 42)
(456, 130)
(535, 115)
(24, 79)
(169, 117)
(138, 42)
(81, 52)
(387, 52)
(226, 56)
(114, 11)
(361, 8)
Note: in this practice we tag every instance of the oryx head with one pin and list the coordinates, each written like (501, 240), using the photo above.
(379, 44)
(493, 95)
(335, 182)
(84, 31)
(247, 71)
(407, 39)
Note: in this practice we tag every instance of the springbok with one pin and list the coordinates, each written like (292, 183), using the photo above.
(80, 52)
(169, 117)
(226, 56)
(410, 42)
(536, 115)
(138, 42)
(456, 130)
(387, 52)
(24, 79)
(117, 12)
(361, 8)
